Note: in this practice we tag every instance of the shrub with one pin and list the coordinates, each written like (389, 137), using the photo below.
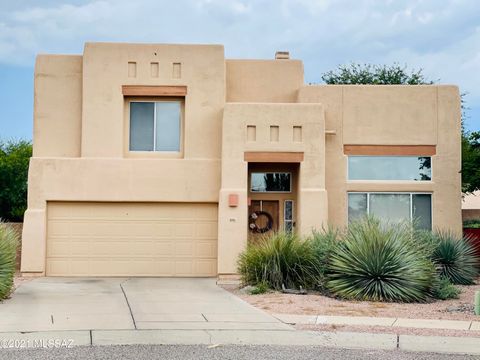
(472, 223)
(260, 288)
(281, 258)
(445, 290)
(378, 262)
(324, 243)
(8, 251)
(455, 258)
(14, 159)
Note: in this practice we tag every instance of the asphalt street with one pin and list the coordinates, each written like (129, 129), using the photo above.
(178, 352)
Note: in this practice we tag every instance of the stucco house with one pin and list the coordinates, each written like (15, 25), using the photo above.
(164, 160)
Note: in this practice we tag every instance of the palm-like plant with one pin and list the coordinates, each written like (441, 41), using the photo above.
(377, 262)
(8, 251)
(455, 258)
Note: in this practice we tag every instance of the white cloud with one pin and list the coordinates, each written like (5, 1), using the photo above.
(443, 39)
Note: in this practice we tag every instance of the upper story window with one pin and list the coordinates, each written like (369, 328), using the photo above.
(270, 182)
(416, 168)
(155, 126)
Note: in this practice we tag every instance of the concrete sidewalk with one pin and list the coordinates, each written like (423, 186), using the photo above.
(50, 304)
(379, 321)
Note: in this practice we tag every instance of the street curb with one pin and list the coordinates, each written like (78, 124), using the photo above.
(440, 344)
(350, 340)
(292, 319)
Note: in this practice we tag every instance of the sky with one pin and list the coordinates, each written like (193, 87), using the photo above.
(442, 37)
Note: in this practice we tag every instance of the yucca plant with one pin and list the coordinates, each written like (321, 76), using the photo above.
(377, 262)
(8, 251)
(455, 258)
(282, 258)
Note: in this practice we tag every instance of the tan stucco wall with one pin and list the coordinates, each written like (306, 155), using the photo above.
(57, 106)
(471, 201)
(354, 113)
(81, 143)
(105, 70)
(404, 115)
(270, 81)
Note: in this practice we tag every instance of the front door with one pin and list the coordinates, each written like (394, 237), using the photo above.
(263, 217)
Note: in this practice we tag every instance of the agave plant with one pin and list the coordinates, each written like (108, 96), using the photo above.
(8, 251)
(455, 258)
(377, 262)
(280, 259)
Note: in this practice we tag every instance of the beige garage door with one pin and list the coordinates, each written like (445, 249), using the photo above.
(131, 239)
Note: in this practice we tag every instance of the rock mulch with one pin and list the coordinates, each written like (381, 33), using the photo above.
(315, 304)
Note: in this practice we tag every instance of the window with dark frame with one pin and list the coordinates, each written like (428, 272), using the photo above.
(270, 182)
(392, 207)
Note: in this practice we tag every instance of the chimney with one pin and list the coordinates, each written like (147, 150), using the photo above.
(282, 55)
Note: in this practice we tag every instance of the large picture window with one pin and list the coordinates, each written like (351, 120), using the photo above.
(155, 126)
(416, 168)
(270, 182)
(392, 207)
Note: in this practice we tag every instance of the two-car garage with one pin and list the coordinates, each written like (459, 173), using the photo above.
(131, 239)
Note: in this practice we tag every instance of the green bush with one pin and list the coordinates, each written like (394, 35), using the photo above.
(455, 258)
(14, 159)
(472, 224)
(282, 258)
(260, 288)
(324, 243)
(445, 290)
(378, 262)
(8, 252)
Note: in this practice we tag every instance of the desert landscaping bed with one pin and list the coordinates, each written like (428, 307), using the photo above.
(317, 304)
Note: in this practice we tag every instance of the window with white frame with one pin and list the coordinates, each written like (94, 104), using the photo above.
(288, 216)
(392, 207)
(413, 168)
(155, 126)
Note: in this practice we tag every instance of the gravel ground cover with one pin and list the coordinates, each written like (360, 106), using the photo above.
(317, 304)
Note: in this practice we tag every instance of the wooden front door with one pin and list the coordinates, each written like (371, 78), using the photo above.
(263, 217)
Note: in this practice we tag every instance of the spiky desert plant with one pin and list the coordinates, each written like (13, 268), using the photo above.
(282, 258)
(8, 252)
(455, 258)
(377, 262)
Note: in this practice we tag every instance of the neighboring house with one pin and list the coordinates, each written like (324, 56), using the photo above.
(162, 160)
(471, 206)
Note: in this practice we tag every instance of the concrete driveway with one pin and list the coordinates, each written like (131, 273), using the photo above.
(46, 304)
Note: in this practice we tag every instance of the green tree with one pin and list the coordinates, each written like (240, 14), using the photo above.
(14, 159)
(375, 75)
(471, 162)
(399, 75)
